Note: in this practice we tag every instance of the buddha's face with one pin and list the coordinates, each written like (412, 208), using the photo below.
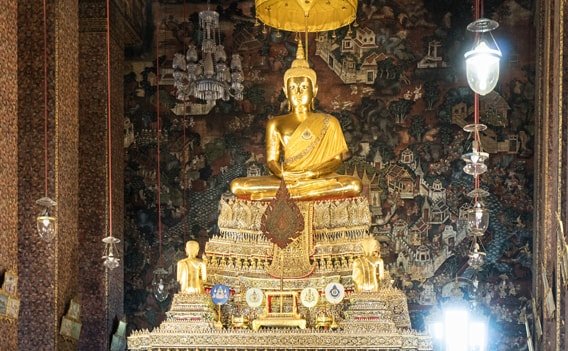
(300, 91)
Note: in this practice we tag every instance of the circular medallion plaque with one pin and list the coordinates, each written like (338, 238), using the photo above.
(220, 294)
(309, 297)
(254, 297)
(334, 293)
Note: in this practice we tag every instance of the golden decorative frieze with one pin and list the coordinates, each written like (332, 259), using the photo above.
(276, 339)
(329, 215)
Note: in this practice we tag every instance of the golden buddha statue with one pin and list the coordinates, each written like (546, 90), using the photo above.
(303, 147)
(367, 267)
(191, 271)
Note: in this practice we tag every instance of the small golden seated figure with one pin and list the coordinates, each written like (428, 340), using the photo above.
(303, 147)
(191, 271)
(367, 267)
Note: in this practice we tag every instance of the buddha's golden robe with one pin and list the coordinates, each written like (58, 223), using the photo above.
(309, 149)
(315, 141)
(190, 275)
(367, 272)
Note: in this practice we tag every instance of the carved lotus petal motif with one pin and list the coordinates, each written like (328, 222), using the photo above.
(282, 221)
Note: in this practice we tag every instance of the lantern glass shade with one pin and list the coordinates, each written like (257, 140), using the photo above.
(159, 286)
(111, 260)
(476, 258)
(478, 219)
(482, 62)
(45, 222)
(482, 68)
(46, 225)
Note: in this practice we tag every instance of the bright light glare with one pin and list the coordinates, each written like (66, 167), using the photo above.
(482, 68)
(455, 330)
(477, 336)
(437, 330)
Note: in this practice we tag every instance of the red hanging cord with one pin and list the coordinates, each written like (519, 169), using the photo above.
(45, 111)
(476, 137)
(158, 132)
(476, 10)
(109, 130)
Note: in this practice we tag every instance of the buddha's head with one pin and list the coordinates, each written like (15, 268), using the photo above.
(300, 81)
(192, 249)
(370, 246)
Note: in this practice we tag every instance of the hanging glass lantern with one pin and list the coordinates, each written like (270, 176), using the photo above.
(45, 221)
(478, 219)
(482, 62)
(159, 286)
(476, 259)
(110, 257)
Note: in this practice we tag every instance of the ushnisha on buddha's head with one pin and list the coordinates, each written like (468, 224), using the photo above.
(300, 79)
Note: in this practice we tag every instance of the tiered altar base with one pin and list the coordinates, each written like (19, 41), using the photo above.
(241, 257)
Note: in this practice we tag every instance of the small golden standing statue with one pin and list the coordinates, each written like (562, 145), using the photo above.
(191, 271)
(303, 147)
(367, 267)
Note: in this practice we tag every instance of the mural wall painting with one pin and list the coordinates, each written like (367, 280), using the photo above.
(396, 81)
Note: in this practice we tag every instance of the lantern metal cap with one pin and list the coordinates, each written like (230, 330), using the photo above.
(475, 127)
(46, 202)
(478, 192)
(482, 25)
(111, 240)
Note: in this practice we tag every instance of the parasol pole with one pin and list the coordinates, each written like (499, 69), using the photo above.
(306, 31)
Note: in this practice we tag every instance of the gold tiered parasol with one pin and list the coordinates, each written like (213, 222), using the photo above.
(306, 15)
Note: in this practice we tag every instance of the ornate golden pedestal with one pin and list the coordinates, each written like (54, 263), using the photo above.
(195, 312)
(241, 257)
(382, 311)
(278, 316)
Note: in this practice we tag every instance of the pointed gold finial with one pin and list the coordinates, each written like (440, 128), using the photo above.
(300, 67)
(300, 52)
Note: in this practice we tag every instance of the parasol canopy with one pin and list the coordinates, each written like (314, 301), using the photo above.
(291, 15)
